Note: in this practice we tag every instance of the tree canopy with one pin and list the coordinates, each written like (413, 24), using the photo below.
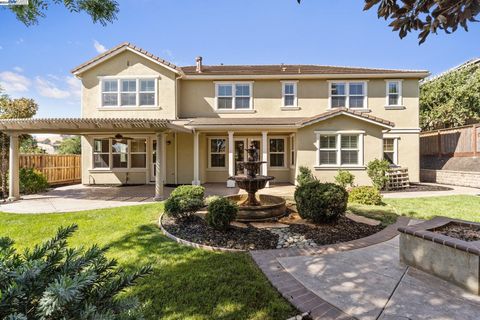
(452, 99)
(425, 16)
(70, 146)
(103, 11)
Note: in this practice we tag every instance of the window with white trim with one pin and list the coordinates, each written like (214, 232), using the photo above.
(340, 149)
(119, 153)
(277, 152)
(234, 96)
(138, 153)
(101, 154)
(133, 92)
(394, 93)
(289, 93)
(292, 150)
(347, 94)
(390, 152)
(217, 153)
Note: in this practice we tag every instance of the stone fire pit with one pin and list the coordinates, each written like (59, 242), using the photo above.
(444, 247)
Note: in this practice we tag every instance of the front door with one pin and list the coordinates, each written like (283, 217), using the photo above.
(240, 153)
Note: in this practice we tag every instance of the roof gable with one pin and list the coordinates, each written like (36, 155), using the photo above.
(350, 113)
(122, 48)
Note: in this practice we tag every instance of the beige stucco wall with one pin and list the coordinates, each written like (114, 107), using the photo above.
(123, 65)
(306, 141)
(198, 100)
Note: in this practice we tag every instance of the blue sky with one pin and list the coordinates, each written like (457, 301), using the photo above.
(36, 61)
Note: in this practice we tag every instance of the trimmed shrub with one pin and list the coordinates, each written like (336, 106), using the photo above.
(365, 195)
(32, 181)
(52, 281)
(184, 201)
(221, 212)
(344, 178)
(305, 175)
(377, 171)
(321, 202)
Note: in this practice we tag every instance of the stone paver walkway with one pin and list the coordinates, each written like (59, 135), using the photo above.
(364, 280)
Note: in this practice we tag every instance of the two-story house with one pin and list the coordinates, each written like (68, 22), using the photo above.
(193, 123)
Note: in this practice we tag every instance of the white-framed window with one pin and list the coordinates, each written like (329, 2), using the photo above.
(289, 94)
(340, 149)
(233, 96)
(277, 151)
(217, 153)
(348, 94)
(119, 154)
(292, 150)
(390, 150)
(101, 154)
(128, 92)
(394, 93)
(138, 153)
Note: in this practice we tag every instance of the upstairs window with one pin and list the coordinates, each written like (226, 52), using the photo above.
(234, 96)
(289, 92)
(394, 93)
(128, 92)
(348, 95)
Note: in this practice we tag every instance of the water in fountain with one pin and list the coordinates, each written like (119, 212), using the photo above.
(251, 208)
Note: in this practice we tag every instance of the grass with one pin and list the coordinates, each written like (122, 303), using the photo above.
(459, 207)
(186, 283)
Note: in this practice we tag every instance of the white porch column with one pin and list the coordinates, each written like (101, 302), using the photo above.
(159, 167)
(13, 170)
(231, 160)
(196, 159)
(265, 155)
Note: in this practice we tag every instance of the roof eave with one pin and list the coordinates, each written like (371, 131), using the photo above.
(397, 75)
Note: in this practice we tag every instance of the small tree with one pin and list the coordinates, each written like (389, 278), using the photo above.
(344, 178)
(28, 144)
(305, 175)
(70, 146)
(377, 171)
(52, 281)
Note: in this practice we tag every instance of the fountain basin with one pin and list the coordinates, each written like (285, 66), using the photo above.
(271, 207)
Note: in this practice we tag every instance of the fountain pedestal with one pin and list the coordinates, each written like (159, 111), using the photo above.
(251, 208)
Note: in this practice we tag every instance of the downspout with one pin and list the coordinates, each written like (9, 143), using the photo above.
(175, 134)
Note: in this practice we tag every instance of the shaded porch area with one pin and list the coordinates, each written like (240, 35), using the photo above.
(80, 197)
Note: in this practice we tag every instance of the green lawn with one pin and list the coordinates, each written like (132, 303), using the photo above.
(458, 207)
(186, 283)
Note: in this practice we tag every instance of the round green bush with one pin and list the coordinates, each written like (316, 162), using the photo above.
(221, 212)
(365, 195)
(32, 181)
(184, 201)
(321, 202)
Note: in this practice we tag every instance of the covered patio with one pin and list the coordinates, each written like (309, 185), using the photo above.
(79, 197)
(88, 126)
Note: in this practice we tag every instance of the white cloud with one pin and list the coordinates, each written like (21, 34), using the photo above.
(18, 69)
(74, 86)
(99, 47)
(49, 89)
(14, 82)
(20, 41)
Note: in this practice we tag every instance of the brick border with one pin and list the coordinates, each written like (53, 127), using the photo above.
(294, 291)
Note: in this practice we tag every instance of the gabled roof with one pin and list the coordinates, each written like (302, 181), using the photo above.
(290, 69)
(350, 113)
(119, 49)
(287, 122)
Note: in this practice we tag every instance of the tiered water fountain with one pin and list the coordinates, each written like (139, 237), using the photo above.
(252, 207)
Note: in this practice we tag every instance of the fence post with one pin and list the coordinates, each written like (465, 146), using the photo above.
(474, 139)
(439, 143)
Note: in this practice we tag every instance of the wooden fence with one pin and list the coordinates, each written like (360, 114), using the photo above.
(452, 142)
(58, 169)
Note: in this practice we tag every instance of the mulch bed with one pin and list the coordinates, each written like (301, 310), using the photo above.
(341, 231)
(196, 230)
(416, 187)
(460, 231)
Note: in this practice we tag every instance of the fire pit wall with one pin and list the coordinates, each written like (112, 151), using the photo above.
(451, 259)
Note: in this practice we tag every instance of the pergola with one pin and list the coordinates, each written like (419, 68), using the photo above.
(82, 126)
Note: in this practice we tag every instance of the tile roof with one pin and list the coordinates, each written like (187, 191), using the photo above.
(287, 69)
(124, 46)
(284, 121)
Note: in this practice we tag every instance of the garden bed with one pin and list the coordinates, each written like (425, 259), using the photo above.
(463, 232)
(268, 235)
(418, 187)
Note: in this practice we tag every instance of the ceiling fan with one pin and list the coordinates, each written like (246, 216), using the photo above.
(118, 137)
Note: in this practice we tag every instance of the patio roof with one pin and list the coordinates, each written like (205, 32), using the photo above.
(88, 125)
